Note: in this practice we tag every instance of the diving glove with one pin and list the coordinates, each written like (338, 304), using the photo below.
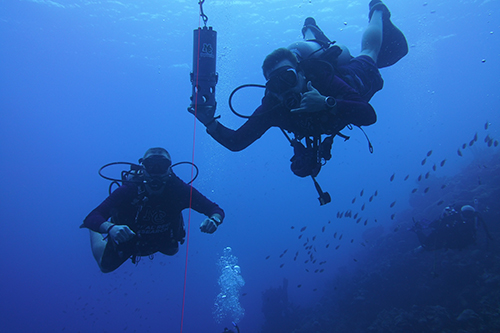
(210, 224)
(205, 114)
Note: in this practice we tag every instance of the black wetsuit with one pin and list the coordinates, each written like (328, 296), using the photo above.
(156, 220)
(350, 109)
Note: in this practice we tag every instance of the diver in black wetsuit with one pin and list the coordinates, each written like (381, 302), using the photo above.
(455, 229)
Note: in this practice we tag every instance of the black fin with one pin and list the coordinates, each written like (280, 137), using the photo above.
(319, 36)
(394, 44)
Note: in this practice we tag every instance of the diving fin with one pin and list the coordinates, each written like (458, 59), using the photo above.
(309, 28)
(394, 44)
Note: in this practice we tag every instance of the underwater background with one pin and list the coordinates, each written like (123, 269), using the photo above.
(84, 83)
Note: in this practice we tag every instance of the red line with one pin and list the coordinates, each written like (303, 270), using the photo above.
(192, 174)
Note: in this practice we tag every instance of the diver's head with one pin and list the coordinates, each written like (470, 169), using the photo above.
(157, 163)
(306, 49)
(468, 212)
(284, 78)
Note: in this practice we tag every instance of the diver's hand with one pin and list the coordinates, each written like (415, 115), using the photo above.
(204, 113)
(312, 100)
(121, 234)
(210, 224)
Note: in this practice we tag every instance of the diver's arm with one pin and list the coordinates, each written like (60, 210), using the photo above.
(96, 220)
(350, 105)
(248, 133)
(358, 113)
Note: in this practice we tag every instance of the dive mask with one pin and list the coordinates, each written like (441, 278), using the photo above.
(282, 79)
(156, 165)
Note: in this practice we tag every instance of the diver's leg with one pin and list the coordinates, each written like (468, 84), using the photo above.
(372, 37)
(106, 254)
(98, 245)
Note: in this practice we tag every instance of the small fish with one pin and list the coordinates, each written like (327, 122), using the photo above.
(371, 199)
(315, 289)
(487, 138)
(490, 142)
(392, 216)
(338, 213)
(423, 161)
(314, 238)
(471, 142)
(427, 174)
(281, 266)
(475, 137)
(268, 257)
(464, 146)
(352, 241)
(440, 202)
(363, 207)
(392, 177)
(322, 270)
(392, 204)
(361, 193)
(355, 216)
(323, 229)
(495, 143)
(307, 270)
(366, 222)
(244, 294)
(434, 167)
(396, 229)
(335, 235)
(358, 220)
(406, 178)
(299, 285)
(429, 153)
(340, 237)
(376, 193)
(281, 255)
(317, 270)
(292, 227)
(414, 190)
(303, 228)
(486, 125)
(355, 260)
(341, 214)
(443, 186)
(294, 258)
(327, 245)
(419, 178)
(353, 200)
(459, 152)
(300, 236)
(285, 251)
(426, 190)
(443, 162)
(363, 244)
(337, 247)
(305, 262)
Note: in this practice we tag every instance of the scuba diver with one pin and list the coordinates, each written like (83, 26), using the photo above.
(144, 215)
(455, 229)
(315, 88)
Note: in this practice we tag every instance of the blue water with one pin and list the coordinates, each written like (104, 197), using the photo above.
(85, 83)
